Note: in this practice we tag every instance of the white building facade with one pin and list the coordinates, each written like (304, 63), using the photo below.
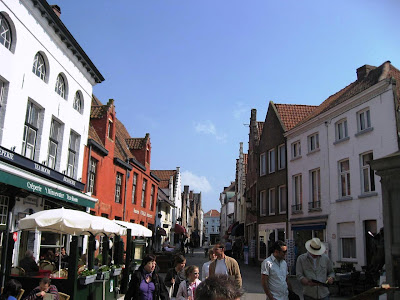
(46, 83)
(212, 226)
(333, 194)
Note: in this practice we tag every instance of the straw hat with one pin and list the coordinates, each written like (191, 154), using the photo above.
(314, 246)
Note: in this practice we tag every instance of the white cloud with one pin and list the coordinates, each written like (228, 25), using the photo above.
(241, 111)
(195, 182)
(208, 127)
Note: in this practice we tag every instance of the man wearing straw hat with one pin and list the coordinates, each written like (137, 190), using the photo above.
(315, 271)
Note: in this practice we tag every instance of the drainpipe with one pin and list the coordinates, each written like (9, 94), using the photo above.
(327, 123)
(88, 169)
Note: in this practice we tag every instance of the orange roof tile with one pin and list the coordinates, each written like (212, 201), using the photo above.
(136, 143)
(164, 176)
(94, 136)
(291, 114)
(212, 213)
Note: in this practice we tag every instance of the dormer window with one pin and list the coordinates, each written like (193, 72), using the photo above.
(110, 128)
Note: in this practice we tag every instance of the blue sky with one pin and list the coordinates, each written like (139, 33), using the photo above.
(189, 72)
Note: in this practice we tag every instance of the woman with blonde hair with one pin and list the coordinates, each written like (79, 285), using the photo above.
(187, 287)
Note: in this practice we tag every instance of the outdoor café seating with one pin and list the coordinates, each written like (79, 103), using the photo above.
(63, 296)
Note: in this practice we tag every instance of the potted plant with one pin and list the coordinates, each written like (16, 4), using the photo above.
(87, 276)
(116, 270)
(103, 273)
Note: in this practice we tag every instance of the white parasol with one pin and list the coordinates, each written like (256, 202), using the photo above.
(136, 229)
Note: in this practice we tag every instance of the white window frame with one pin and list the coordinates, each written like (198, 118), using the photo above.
(344, 177)
(39, 66)
(313, 142)
(152, 196)
(5, 32)
(315, 189)
(296, 149)
(271, 202)
(118, 187)
(144, 186)
(54, 140)
(263, 164)
(281, 157)
(78, 105)
(2, 92)
(73, 151)
(348, 235)
(297, 192)
(367, 174)
(134, 184)
(263, 203)
(282, 191)
(271, 161)
(92, 176)
(61, 86)
(4, 204)
(363, 120)
(31, 130)
(341, 130)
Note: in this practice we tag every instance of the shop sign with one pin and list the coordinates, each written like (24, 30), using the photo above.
(149, 216)
(15, 236)
(143, 213)
(30, 165)
(43, 189)
(135, 211)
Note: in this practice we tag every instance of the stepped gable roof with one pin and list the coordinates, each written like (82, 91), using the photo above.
(245, 160)
(98, 110)
(94, 136)
(291, 114)
(96, 101)
(164, 176)
(121, 134)
(375, 75)
(137, 143)
(212, 213)
(260, 126)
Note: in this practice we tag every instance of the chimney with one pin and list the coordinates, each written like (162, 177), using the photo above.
(56, 9)
(363, 71)
(186, 189)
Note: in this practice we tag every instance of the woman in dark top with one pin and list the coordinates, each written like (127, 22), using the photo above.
(176, 274)
(146, 284)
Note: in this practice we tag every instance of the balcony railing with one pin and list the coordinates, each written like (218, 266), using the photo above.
(297, 207)
(314, 205)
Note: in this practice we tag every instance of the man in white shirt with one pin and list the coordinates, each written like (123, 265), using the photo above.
(274, 273)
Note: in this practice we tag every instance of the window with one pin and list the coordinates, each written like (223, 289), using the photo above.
(3, 209)
(281, 157)
(347, 240)
(152, 197)
(271, 201)
(55, 130)
(367, 174)
(315, 189)
(118, 186)
(212, 229)
(5, 32)
(92, 176)
(341, 130)
(144, 193)
(30, 130)
(344, 178)
(134, 188)
(39, 66)
(3, 91)
(363, 120)
(263, 203)
(271, 161)
(110, 128)
(313, 142)
(263, 167)
(297, 193)
(78, 102)
(282, 199)
(60, 86)
(296, 149)
(72, 154)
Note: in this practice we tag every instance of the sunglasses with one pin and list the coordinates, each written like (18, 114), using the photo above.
(196, 273)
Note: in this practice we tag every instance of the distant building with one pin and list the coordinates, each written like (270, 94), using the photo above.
(227, 199)
(211, 226)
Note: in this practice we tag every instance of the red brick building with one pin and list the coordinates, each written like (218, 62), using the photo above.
(116, 169)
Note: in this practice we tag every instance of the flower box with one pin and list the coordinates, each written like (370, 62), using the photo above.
(103, 275)
(85, 280)
(116, 271)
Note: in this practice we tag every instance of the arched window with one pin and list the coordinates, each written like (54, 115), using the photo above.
(61, 86)
(5, 33)
(78, 105)
(39, 66)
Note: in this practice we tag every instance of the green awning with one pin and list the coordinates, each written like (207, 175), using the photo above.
(32, 186)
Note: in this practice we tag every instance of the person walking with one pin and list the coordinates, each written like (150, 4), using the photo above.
(176, 275)
(314, 270)
(228, 248)
(146, 284)
(187, 287)
(219, 287)
(225, 265)
(206, 266)
(274, 273)
(246, 253)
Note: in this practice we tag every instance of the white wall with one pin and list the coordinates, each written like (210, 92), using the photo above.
(33, 34)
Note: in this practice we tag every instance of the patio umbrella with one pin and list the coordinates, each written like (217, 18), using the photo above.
(136, 229)
(106, 226)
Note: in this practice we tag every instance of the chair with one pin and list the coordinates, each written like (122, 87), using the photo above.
(63, 296)
(48, 266)
(60, 273)
(18, 271)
